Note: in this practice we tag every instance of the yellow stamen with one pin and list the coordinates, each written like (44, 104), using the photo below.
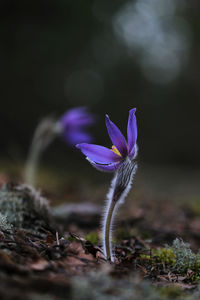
(116, 151)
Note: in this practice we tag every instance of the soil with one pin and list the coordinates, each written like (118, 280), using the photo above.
(59, 255)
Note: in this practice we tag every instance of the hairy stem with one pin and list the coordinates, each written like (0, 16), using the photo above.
(107, 231)
(119, 189)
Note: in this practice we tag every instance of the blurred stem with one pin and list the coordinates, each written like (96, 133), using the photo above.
(43, 136)
(32, 165)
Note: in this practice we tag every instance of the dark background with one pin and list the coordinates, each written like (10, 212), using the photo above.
(58, 54)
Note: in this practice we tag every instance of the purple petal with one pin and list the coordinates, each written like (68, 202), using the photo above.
(77, 117)
(134, 152)
(106, 168)
(74, 137)
(132, 131)
(98, 154)
(116, 137)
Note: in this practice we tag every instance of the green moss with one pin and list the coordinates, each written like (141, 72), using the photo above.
(180, 259)
(92, 237)
(145, 256)
(186, 259)
(165, 256)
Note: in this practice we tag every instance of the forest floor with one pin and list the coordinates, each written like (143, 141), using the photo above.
(55, 252)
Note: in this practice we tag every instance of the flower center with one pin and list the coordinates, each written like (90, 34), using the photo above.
(116, 151)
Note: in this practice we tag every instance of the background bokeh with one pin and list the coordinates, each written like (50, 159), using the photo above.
(110, 56)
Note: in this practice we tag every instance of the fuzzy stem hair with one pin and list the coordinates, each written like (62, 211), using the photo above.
(119, 189)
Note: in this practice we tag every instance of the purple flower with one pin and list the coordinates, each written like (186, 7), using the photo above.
(73, 125)
(109, 160)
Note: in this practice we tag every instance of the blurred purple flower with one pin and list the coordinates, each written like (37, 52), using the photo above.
(109, 160)
(73, 125)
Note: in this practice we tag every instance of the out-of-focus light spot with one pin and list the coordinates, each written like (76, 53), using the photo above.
(151, 29)
(84, 87)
